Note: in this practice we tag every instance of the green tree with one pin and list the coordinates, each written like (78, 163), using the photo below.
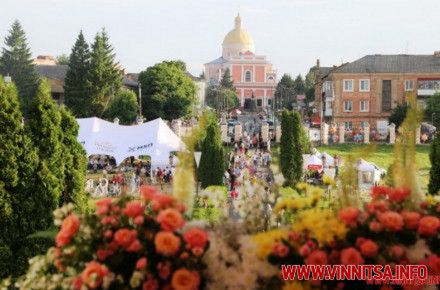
(104, 77)
(63, 59)
(75, 162)
(221, 98)
(284, 92)
(291, 148)
(299, 85)
(226, 81)
(167, 92)
(211, 168)
(76, 86)
(432, 112)
(309, 82)
(398, 114)
(16, 61)
(44, 128)
(434, 172)
(124, 106)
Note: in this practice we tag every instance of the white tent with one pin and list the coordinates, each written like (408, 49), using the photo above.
(153, 138)
(369, 173)
(329, 160)
(312, 162)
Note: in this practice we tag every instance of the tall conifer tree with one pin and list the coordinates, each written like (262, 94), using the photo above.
(44, 128)
(76, 86)
(104, 77)
(211, 167)
(226, 81)
(434, 173)
(16, 61)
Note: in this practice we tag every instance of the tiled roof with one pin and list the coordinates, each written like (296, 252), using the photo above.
(57, 72)
(400, 63)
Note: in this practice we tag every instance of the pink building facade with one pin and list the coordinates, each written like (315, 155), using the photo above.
(253, 75)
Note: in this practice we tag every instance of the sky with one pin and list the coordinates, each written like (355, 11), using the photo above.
(291, 33)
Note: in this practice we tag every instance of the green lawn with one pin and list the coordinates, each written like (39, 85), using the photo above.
(383, 157)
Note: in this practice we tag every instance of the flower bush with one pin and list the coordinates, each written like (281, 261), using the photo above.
(124, 244)
(388, 230)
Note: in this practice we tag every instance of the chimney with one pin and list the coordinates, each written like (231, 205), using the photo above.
(437, 53)
(317, 62)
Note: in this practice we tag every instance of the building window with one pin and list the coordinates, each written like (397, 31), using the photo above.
(348, 125)
(364, 124)
(348, 85)
(364, 106)
(409, 85)
(259, 102)
(364, 85)
(247, 77)
(348, 106)
(269, 102)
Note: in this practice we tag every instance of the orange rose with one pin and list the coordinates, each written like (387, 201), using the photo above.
(170, 219)
(411, 219)
(103, 205)
(141, 263)
(161, 201)
(148, 192)
(317, 257)
(351, 256)
(428, 225)
(125, 237)
(391, 220)
(184, 279)
(196, 237)
(69, 227)
(349, 215)
(134, 209)
(167, 243)
(398, 194)
(93, 274)
(369, 249)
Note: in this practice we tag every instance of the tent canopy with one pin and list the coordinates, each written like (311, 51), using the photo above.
(365, 166)
(312, 162)
(153, 138)
(329, 160)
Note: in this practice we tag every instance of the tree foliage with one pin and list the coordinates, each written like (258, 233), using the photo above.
(226, 81)
(309, 82)
(124, 106)
(211, 167)
(104, 77)
(168, 92)
(291, 148)
(63, 59)
(221, 98)
(75, 162)
(299, 84)
(432, 112)
(44, 129)
(434, 172)
(285, 92)
(76, 86)
(16, 61)
(398, 114)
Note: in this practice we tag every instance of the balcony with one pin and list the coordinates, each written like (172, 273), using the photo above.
(428, 87)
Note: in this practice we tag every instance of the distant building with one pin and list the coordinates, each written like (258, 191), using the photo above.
(366, 90)
(201, 88)
(252, 74)
(45, 60)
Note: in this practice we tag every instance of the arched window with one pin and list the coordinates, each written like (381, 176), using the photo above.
(247, 77)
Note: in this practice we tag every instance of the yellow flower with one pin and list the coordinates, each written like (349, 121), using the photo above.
(295, 285)
(265, 241)
(302, 185)
(327, 180)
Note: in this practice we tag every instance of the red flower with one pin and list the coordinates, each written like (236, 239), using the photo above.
(134, 209)
(135, 246)
(69, 227)
(150, 284)
(102, 254)
(139, 220)
(77, 283)
(349, 215)
(398, 194)
(369, 249)
(197, 251)
(378, 191)
(411, 219)
(317, 257)
(280, 250)
(141, 263)
(125, 237)
(93, 274)
(108, 234)
(397, 251)
(167, 243)
(148, 192)
(351, 256)
(433, 264)
(391, 220)
(184, 279)
(59, 265)
(360, 241)
(377, 206)
(164, 270)
(375, 226)
(304, 250)
(428, 225)
(103, 205)
(161, 201)
(196, 237)
(294, 236)
(170, 219)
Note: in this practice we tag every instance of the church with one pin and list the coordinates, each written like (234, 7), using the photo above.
(253, 75)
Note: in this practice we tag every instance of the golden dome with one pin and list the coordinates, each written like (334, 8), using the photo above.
(238, 35)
